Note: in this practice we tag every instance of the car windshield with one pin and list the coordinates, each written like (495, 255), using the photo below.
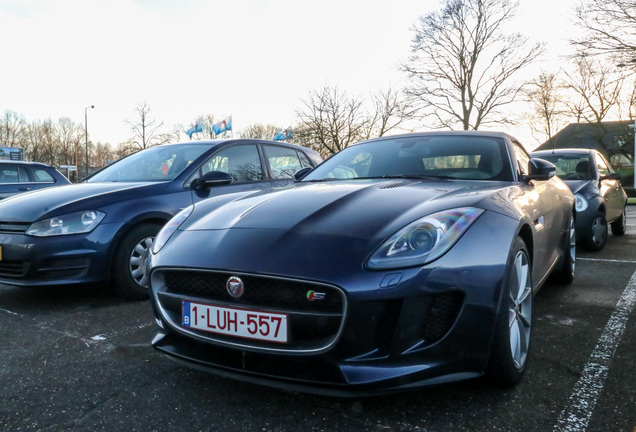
(570, 166)
(420, 157)
(161, 163)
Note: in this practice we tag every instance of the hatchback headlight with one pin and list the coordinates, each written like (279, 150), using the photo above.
(72, 223)
(580, 203)
(424, 240)
(169, 228)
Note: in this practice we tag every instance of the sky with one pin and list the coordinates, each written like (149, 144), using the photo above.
(252, 59)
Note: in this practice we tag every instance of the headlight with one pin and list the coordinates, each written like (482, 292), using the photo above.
(72, 223)
(580, 203)
(424, 240)
(169, 228)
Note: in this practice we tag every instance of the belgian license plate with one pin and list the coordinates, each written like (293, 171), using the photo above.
(235, 322)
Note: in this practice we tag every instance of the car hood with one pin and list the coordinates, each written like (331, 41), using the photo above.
(313, 230)
(577, 185)
(363, 208)
(39, 204)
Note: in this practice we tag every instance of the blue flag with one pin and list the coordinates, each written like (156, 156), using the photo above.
(198, 127)
(225, 125)
(283, 134)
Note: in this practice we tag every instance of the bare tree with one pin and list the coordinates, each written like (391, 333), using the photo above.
(260, 131)
(102, 155)
(330, 120)
(69, 135)
(49, 143)
(389, 111)
(627, 102)
(12, 129)
(596, 90)
(462, 64)
(146, 129)
(547, 106)
(610, 27)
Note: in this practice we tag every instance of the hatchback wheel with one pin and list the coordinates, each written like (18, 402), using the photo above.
(619, 226)
(596, 239)
(129, 265)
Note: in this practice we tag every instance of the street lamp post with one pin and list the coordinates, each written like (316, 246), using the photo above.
(86, 133)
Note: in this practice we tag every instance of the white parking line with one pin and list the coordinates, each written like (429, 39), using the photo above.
(576, 416)
(606, 260)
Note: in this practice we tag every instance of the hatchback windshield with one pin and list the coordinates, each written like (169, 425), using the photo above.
(571, 166)
(162, 163)
(466, 157)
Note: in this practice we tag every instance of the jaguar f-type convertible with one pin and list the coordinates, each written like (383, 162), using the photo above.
(399, 262)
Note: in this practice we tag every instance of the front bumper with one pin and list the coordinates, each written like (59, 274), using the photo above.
(398, 329)
(58, 260)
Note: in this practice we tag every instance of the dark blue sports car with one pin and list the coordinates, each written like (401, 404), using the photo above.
(401, 261)
(100, 230)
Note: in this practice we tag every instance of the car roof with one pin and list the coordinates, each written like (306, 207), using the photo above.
(218, 142)
(577, 151)
(21, 162)
(493, 134)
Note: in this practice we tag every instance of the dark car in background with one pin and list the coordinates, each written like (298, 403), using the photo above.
(600, 198)
(100, 230)
(17, 177)
(401, 261)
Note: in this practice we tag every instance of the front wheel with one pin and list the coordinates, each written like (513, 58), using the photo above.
(511, 344)
(129, 265)
(619, 226)
(596, 239)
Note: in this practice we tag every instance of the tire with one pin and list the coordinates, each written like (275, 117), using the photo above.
(619, 226)
(596, 239)
(129, 264)
(511, 344)
(566, 273)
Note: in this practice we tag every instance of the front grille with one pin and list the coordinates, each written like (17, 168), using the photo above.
(13, 227)
(313, 325)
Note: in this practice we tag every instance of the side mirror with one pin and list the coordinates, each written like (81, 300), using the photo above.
(212, 178)
(539, 169)
(301, 173)
(612, 176)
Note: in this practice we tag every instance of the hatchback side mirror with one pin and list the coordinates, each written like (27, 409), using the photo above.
(540, 169)
(212, 178)
(612, 176)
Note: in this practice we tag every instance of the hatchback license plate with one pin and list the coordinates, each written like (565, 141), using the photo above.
(235, 322)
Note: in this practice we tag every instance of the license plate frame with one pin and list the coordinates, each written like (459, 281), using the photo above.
(237, 322)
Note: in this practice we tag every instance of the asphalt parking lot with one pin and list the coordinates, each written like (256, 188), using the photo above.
(81, 360)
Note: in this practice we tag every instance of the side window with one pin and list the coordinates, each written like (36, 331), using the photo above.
(304, 160)
(283, 162)
(41, 176)
(241, 162)
(9, 174)
(603, 167)
(522, 158)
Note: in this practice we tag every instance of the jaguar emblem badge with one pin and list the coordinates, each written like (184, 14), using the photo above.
(234, 286)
